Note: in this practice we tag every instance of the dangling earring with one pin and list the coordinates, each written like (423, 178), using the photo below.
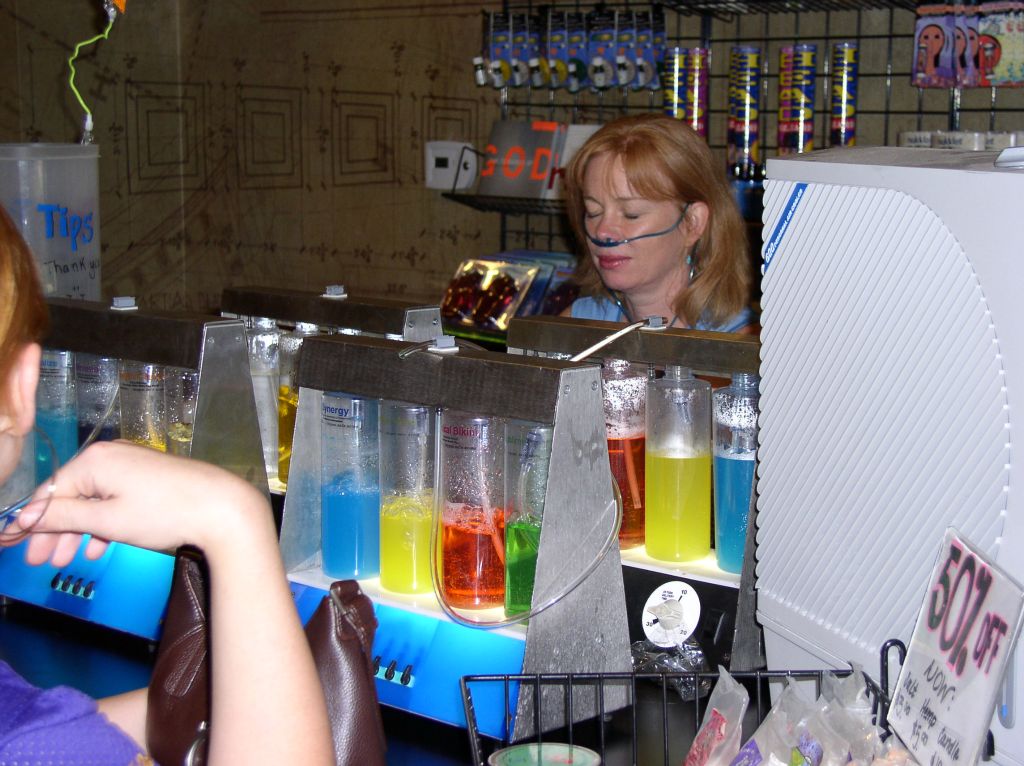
(691, 261)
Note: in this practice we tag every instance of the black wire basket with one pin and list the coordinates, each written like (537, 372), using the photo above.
(656, 725)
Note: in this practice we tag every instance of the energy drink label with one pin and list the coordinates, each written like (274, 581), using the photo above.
(843, 130)
(674, 80)
(698, 76)
(743, 149)
(797, 69)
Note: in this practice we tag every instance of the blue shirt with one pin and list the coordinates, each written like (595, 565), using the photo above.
(602, 308)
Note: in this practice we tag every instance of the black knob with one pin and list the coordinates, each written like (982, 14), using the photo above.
(376, 664)
(406, 675)
(390, 672)
(55, 582)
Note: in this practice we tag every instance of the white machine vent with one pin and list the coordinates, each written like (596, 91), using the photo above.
(882, 390)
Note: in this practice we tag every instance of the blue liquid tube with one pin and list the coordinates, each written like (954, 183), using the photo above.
(55, 411)
(96, 384)
(735, 436)
(350, 486)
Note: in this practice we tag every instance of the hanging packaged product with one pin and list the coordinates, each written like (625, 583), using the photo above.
(735, 441)
(658, 47)
(96, 386)
(678, 464)
(472, 463)
(625, 48)
(624, 388)
(674, 93)
(556, 48)
(743, 151)
(500, 36)
(143, 405)
(576, 51)
(350, 486)
(698, 78)
(289, 346)
(601, 48)
(486, 294)
(55, 411)
(844, 94)
(797, 70)
(934, 33)
(646, 65)
(407, 496)
(263, 340)
(518, 51)
(528, 453)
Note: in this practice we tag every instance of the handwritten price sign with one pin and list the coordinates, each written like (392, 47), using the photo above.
(943, 701)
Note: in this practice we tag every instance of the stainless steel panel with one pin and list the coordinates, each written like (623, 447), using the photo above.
(585, 632)
(157, 337)
(483, 382)
(712, 352)
(226, 431)
(379, 316)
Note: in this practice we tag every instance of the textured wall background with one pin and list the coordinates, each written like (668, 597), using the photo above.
(263, 142)
(260, 142)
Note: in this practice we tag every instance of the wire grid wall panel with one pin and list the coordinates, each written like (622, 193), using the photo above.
(887, 102)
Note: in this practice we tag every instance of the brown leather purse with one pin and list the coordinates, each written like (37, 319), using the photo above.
(340, 635)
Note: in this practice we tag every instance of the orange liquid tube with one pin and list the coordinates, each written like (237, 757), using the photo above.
(473, 556)
(627, 463)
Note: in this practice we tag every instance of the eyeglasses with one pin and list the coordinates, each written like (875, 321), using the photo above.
(16, 483)
(618, 242)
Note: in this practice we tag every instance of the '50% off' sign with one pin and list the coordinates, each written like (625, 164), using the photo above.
(945, 695)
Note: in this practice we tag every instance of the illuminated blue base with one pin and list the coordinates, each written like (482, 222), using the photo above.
(422, 658)
(125, 589)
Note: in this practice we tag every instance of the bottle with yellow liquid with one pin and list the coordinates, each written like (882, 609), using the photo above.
(181, 393)
(143, 409)
(678, 467)
(288, 393)
(407, 496)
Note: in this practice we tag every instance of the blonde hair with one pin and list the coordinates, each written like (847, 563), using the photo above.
(664, 159)
(23, 314)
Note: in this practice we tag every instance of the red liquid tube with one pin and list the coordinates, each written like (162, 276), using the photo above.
(473, 517)
(625, 386)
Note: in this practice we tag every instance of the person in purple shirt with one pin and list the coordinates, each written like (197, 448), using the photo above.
(660, 231)
(267, 705)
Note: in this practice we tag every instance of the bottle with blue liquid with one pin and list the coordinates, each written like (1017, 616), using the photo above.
(56, 411)
(350, 486)
(96, 383)
(735, 413)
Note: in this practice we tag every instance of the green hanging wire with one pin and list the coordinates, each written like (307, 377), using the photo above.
(78, 48)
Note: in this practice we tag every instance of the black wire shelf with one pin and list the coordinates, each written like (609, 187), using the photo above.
(508, 205)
